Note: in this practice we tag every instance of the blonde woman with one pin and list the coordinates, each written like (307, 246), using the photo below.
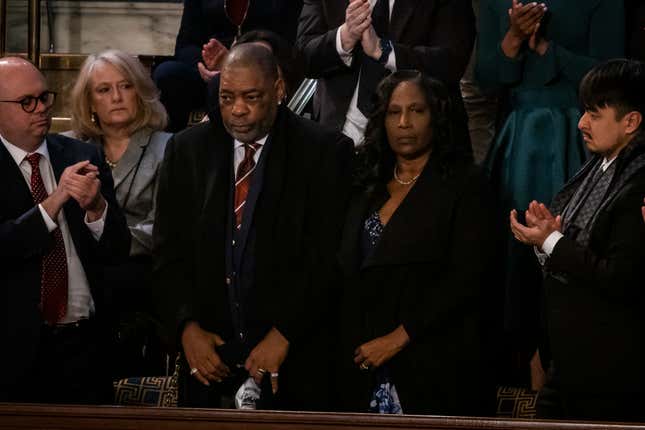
(116, 105)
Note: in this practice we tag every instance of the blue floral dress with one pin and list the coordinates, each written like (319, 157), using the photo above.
(384, 398)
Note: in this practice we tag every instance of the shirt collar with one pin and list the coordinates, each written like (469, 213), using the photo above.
(606, 163)
(19, 154)
(239, 144)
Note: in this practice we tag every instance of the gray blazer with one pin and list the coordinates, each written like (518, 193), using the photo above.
(139, 186)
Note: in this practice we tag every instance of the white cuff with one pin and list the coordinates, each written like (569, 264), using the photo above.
(96, 227)
(391, 60)
(345, 56)
(49, 222)
(550, 242)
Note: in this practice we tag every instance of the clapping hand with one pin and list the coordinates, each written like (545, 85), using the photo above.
(540, 223)
(81, 182)
(525, 18)
(213, 54)
(357, 19)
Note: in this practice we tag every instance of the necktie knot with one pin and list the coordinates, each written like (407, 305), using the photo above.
(252, 147)
(33, 160)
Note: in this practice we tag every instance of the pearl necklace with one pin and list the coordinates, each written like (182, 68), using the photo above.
(402, 182)
(111, 164)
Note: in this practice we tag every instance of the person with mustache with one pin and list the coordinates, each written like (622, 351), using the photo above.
(60, 225)
(537, 53)
(590, 243)
(249, 213)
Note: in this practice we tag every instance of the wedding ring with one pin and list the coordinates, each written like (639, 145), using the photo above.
(274, 374)
(193, 371)
(261, 371)
(364, 366)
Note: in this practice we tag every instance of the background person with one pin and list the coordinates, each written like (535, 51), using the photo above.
(116, 107)
(350, 46)
(205, 33)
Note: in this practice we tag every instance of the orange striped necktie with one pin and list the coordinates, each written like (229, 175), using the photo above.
(243, 180)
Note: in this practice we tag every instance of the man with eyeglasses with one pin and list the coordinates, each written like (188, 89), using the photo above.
(59, 224)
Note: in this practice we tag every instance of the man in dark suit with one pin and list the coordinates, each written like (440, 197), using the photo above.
(342, 41)
(207, 29)
(59, 224)
(249, 213)
(591, 251)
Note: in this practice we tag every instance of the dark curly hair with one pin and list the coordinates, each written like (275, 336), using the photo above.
(375, 158)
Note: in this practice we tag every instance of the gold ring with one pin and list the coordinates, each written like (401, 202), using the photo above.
(193, 371)
(261, 371)
(364, 366)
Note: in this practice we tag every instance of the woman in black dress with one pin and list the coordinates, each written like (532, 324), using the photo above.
(418, 249)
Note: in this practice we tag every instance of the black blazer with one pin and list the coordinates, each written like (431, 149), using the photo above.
(434, 36)
(204, 19)
(297, 221)
(595, 319)
(431, 271)
(24, 239)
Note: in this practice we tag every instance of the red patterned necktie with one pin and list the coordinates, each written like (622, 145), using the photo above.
(53, 284)
(243, 180)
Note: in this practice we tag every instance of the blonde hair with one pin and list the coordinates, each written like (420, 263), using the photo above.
(150, 112)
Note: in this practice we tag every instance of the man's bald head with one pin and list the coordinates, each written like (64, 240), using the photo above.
(254, 56)
(20, 79)
(15, 67)
(250, 91)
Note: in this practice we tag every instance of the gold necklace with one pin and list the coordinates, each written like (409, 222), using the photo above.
(400, 181)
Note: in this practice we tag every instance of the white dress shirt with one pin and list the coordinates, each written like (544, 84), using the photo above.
(355, 121)
(239, 151)
(549, 243)
(79, 299)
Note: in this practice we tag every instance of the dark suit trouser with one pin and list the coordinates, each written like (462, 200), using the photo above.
(70, 367)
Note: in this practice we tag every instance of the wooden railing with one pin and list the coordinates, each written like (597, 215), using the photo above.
(54, 417)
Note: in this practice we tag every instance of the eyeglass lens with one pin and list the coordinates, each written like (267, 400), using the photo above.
(30, 103)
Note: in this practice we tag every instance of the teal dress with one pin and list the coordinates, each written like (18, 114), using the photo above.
(539, 147)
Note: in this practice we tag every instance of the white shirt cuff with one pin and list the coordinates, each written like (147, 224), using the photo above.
(391, 60)
(550, 242)
(49, 222)
(345, 56)
(96, 227)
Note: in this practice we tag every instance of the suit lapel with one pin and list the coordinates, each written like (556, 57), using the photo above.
(349, 253)
(131, 156)
(334, 11)
(58, 156)
(13, 179)
(402, 12)
(276, 169)
(218, 154)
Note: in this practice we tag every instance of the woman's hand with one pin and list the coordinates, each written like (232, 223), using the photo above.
(379, 351)
(524, 21)
(538, 43)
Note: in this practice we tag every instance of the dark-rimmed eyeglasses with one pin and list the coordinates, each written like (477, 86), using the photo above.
(30, 103)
